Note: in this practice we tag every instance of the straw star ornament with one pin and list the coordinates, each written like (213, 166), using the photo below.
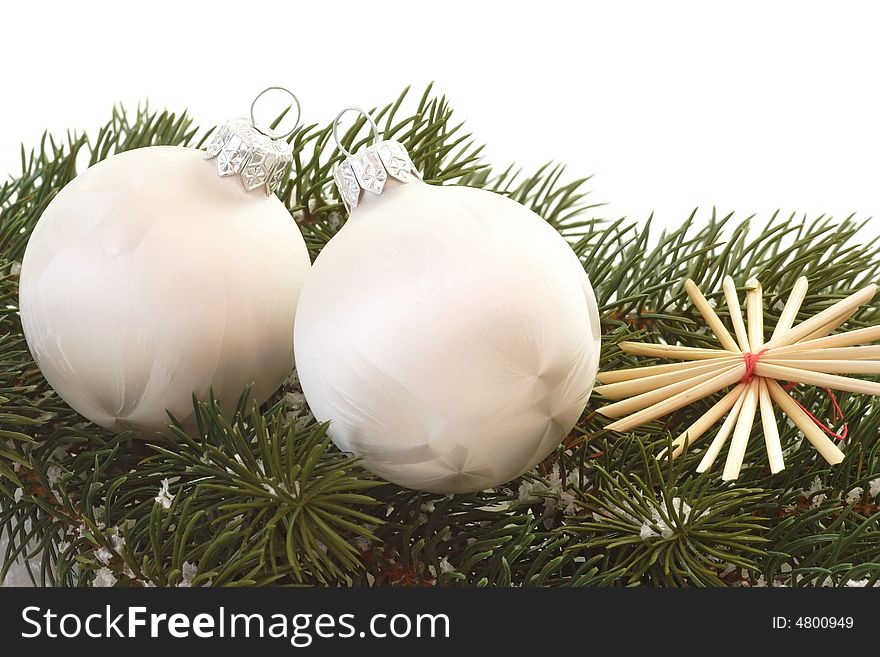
(808, 353)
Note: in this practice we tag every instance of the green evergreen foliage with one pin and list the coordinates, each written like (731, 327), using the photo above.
(262, 497)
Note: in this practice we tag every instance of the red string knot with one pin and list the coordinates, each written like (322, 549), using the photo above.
(751, 361)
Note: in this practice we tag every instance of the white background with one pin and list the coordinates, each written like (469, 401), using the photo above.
(749, 106)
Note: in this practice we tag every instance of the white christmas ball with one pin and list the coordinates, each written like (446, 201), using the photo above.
(449, 334)
(150, 278)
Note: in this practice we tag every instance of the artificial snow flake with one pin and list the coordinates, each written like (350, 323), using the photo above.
(815, 487)
(18, 494)
(566, 501)
(647, 531)
(657, 524)
(809, 352)
(164, 498)
(188, 574)
(116, 538)
(103, 555)
(813, 494)
(104, 577)
(557, 492)
(53, 476)
(526, 490)
(874, 487)
(854, 495)
(445, 567)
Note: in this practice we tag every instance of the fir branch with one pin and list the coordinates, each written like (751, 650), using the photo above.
(668, 527)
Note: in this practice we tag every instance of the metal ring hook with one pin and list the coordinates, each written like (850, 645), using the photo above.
(369, 119)
(272, 134)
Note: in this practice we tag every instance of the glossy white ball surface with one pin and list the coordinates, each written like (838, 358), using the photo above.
(149, 278)
(449, 334)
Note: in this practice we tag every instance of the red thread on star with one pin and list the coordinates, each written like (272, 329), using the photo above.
(751, 361)
(837, 410)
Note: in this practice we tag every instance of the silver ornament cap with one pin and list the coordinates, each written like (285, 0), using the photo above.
(369, 170)
(258, 155)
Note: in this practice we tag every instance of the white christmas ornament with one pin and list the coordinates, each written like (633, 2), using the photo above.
(449, 334)
(150, 278)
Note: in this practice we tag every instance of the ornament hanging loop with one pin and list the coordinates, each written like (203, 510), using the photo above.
(370, 168)
(269, 132)
(258, 155)
(373, 127)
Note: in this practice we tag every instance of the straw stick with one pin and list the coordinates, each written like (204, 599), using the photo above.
(638, 402)
(741, 432)
(677, 401)
(790, 310)
(616, 376)
(771, 431)
(817, 378)
(722, 435)
(830, 366)
(848, 339)
(710, 316)
(694, 432)
(830, 326)
(645, 384)
(831, 313)
(755, 315)
(823, 444)
(672, 351)
(736, 313)
(869, 352)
